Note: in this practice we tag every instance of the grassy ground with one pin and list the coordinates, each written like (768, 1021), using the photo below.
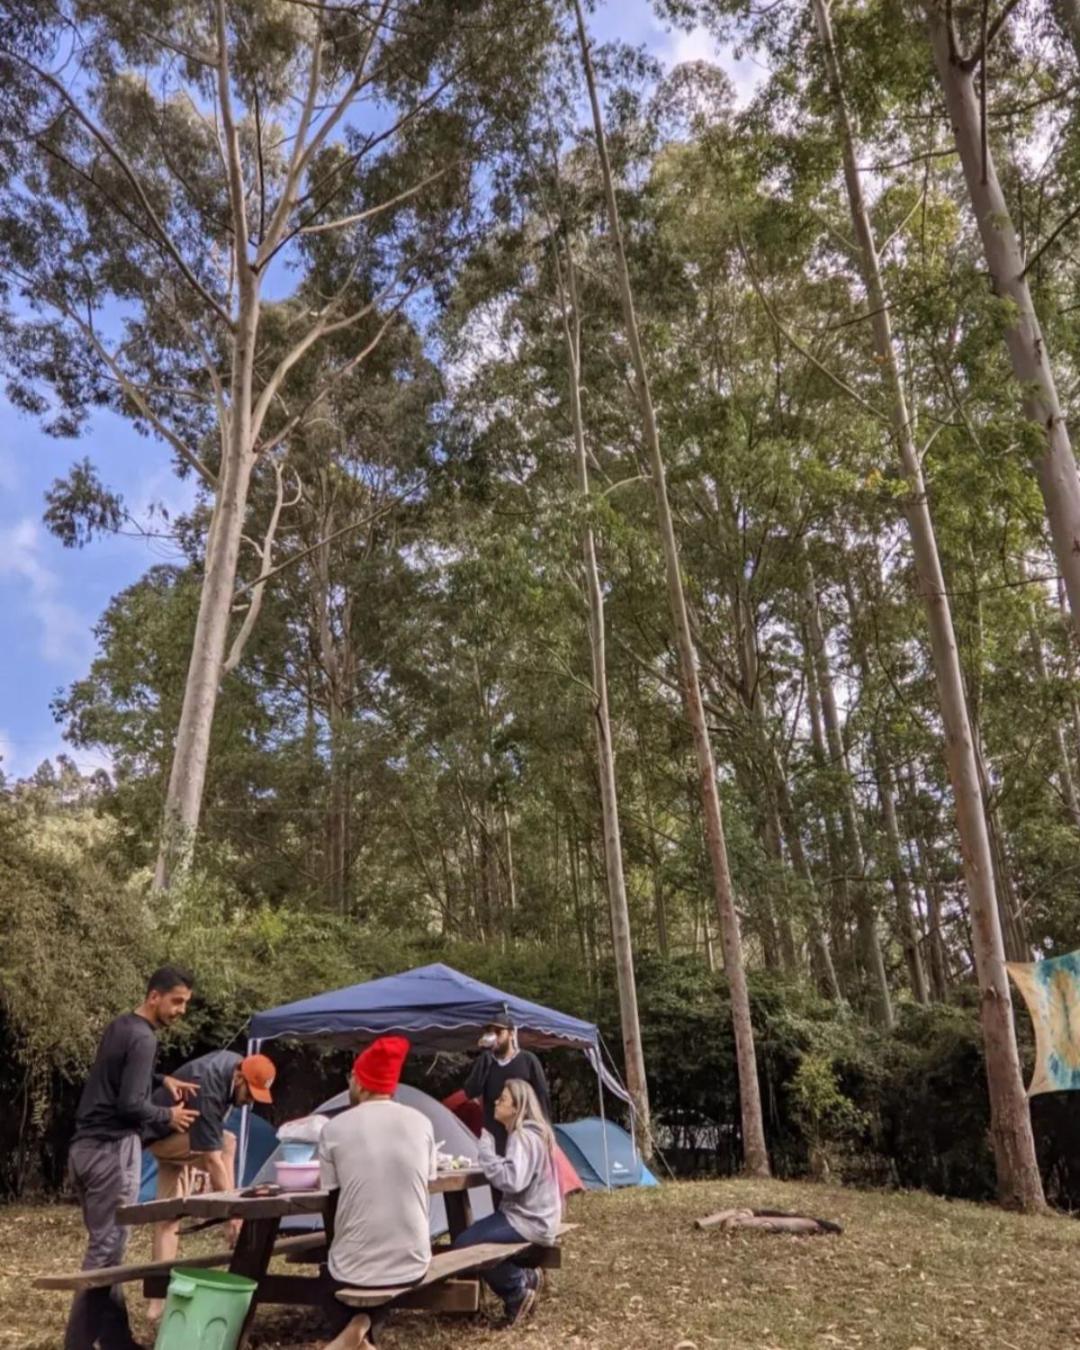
(909, 1273)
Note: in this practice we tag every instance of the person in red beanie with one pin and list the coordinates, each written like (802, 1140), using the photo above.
(378, 1158)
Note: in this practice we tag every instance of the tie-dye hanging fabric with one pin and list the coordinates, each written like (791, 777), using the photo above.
(1051, 990)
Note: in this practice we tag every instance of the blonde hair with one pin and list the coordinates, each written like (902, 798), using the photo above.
(527, 1111)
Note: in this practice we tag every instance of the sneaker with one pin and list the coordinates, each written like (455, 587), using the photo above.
(539, 1280)
(519, 1311)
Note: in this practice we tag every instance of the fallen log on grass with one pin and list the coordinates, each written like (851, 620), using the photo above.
(767, 1221)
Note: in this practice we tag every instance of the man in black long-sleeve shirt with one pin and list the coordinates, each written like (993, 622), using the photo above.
(115, 1112)
(499, 1060)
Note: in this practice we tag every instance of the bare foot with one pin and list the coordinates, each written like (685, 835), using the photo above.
(355, 1335)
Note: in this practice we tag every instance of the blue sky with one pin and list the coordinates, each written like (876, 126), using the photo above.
(51, 597)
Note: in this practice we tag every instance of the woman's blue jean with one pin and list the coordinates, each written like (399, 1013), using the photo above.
(507, 1280)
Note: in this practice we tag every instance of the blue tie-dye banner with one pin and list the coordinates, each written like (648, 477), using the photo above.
(1051, 990)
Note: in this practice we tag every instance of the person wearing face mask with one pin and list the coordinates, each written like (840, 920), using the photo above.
(499, 1061)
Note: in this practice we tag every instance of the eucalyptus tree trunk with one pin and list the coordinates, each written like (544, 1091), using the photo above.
(621, 938)
(1057, 731)
(1067, 14)
(1055, 465)
(774, 835)
(1009, 911)
(1019, 1182)
(937, 963)
(905, 905)
(879, 1001)
(1070, 670)
(191, 750)
(885, 781)
(840, 900)
(777, 934)
(755, 1154)
(335, 657)
(820, 955)
(655, 863)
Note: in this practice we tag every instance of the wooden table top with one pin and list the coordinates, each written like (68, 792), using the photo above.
(234, 1205)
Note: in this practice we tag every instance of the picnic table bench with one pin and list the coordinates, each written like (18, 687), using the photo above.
(259, 1242)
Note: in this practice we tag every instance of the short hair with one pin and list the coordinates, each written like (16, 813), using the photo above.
(168, 977)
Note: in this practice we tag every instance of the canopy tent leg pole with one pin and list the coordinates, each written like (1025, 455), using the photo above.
(603, 1133)
(611, 1076)
(245, 1129)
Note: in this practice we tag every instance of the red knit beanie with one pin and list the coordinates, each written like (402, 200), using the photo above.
(378, 1068)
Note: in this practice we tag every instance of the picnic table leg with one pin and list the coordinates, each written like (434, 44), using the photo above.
(458, 1212)
(254, 1248)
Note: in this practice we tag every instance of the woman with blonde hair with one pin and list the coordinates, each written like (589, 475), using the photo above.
(531, 1207)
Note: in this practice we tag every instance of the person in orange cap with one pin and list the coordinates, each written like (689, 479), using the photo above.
(222, 1079)
(377, 1161)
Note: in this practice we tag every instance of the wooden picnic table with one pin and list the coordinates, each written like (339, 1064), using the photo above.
(261, 1217)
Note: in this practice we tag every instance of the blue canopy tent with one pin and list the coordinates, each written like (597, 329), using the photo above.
(438, 1009)
(436, 1006)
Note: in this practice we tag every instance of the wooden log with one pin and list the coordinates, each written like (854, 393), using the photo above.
(768, 1221)
(724, 1218)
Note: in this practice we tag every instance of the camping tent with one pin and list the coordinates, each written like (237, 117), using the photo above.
(603, 1154)
(262, 1141)
(450, 1133)
(437, 1008)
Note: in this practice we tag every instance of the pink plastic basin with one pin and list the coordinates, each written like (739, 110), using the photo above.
(297, 1176)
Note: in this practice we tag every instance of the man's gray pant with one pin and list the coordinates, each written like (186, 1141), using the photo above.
(105, 1174)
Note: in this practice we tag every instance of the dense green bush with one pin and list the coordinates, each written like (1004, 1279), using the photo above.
(79, 936)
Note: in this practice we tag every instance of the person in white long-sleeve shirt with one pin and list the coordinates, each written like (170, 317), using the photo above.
(531, 1209)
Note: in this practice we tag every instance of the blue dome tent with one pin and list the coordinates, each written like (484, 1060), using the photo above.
(438, 1009)
(603, 1154)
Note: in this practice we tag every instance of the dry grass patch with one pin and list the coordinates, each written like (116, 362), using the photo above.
(909, 1273)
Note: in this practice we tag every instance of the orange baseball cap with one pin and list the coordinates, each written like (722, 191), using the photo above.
(259, 1074)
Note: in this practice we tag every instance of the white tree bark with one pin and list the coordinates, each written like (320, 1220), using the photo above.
(1055, 466)
(621, 936)
(187, 776)
(1057, 731)
(1019, 1182)
(879, 999)
(1067, 14)
(755, 1154)
(242, 416)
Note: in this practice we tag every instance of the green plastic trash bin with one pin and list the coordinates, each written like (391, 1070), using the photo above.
(205, 1310)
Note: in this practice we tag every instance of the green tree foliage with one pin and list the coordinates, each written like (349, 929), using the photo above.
(401, 765)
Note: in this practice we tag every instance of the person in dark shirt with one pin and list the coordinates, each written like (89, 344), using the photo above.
(105, 1161)
(222, 1079)
(499, 1060)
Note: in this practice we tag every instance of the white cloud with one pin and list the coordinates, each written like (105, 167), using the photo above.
(65, 637)
(695, 44)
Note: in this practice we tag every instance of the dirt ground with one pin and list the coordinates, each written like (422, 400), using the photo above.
(909, 1273)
